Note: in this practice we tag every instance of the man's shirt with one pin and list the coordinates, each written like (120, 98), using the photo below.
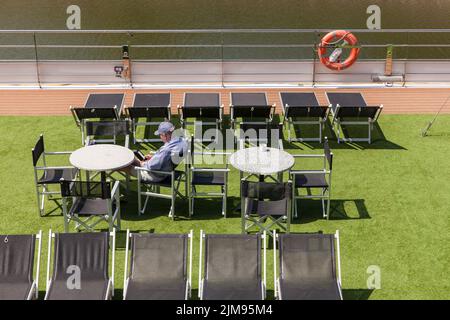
(168, 156)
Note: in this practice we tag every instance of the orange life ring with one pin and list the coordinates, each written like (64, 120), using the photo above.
(332, 38)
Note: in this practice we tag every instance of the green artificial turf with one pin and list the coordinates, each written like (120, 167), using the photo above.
(390, 204)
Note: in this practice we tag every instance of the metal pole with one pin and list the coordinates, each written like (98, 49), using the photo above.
(36, 59)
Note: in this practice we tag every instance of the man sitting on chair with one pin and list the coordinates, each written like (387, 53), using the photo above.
(165, 159)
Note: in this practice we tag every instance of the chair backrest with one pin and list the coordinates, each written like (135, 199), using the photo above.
(232, 258)
(328, 153)
(104, 100)
(87, 251)
(108, 128)
(299, 99)
(307, 258)
(158, 257)
(38, 150)
(272, 191)
(271, 132)
(96, 113)
(357, 112)
(17, 257)
(86, 189)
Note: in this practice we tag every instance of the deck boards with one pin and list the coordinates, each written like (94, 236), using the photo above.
(57, 102)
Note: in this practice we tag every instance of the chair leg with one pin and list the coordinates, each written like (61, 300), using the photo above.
(328, 205)
(139, 199)
(224, 204)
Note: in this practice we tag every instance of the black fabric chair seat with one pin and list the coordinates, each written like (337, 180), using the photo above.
(309, 291)
(267, 208)
(90, 290)
(83, 206)
(14, 290)
(240, 290)
(55, 175)
(311, 180)
(164, 290)
(208, 178)
(167, 182)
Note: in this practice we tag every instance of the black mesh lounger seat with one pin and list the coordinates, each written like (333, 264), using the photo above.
(303, 108)
(151, 107)
(232, 267)
(98, 106)
(308, 267)
(200, 175)
(314, 179)
(265, 200)
(46, 175)
(80, 266)
(352, 109)
(16, 266)
(205, 108)
(87, 203)
(158, 267)
(254, 112)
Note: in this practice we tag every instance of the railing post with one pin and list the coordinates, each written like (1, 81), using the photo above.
(36, 59)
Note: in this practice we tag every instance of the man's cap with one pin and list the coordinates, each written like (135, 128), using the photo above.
(164, 127)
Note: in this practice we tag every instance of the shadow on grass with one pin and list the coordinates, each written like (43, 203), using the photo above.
(379, 140)
(340, 209)
(356, 294)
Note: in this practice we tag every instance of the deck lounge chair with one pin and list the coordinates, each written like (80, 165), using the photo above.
(352, 109)
(309, 267)
(80, 266)
(303, 108)
(105, 106)
(151, 107)
(207, 111)
(232, 267)
(17, 254)
(255, 114)
(158, 266)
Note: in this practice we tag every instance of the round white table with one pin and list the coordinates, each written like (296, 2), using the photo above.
(102, 157)
(261, 161)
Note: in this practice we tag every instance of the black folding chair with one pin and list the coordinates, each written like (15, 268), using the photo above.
(158, 266)
(310, 267)
(207, 111)
(201, 176)
(50, 174)
(255, 114)
(17, 254)
(232, 265)
(108, 132)
(314, 179)
(351, 109)
(88, 203)
(170, 180)
(303, 108)
(262, 201)
(151, 107)
(80, 266)
(105, 106)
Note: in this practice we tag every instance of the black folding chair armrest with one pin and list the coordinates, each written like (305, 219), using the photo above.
(294, 172)
(57, 153)
(139, 169)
